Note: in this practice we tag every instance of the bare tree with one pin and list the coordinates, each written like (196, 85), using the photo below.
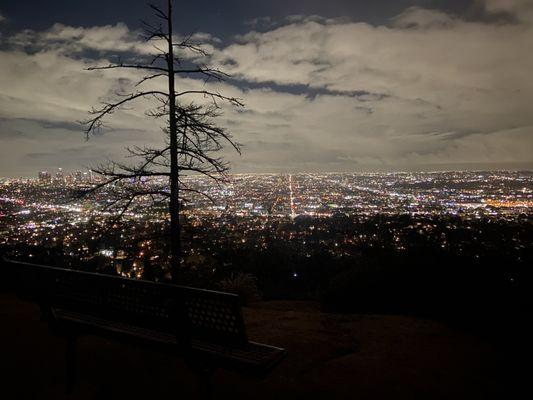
(192, 136)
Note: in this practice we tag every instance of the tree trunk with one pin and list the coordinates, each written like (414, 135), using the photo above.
(174, 206)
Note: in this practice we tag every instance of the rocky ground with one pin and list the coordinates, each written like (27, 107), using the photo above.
(330, 356)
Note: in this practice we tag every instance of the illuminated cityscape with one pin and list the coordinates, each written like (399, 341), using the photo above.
(44, 217)
(495, 194)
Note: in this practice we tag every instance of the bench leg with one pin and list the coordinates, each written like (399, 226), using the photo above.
(70, 363)
(204, 382)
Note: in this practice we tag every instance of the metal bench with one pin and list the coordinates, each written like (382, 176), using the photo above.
(206, 327)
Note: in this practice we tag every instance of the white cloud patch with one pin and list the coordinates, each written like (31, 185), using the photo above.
(522, 10)
(107, 40)
(69, 40)
(445, 82)
(327, 94)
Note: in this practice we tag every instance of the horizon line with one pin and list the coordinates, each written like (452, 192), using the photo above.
(375, 171)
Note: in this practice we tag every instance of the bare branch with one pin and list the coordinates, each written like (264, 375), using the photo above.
(109, 108)
(214, 95)
(131, 66)
(158, 12)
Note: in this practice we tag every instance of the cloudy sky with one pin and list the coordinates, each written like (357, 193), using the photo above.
(333, 85)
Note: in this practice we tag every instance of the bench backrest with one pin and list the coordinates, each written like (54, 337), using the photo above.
(189, 313)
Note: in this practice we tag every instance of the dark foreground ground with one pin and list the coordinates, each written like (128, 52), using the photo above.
(330, 357)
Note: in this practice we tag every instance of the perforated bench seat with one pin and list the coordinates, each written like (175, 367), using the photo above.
(249, 355)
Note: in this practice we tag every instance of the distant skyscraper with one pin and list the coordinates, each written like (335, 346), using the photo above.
(59, 178)
(45, 177)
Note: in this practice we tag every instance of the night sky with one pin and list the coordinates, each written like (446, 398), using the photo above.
(328, 85)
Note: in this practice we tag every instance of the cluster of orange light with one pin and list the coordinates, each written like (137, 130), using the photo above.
(510, 203)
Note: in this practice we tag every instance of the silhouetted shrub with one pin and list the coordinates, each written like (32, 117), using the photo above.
(242, 284)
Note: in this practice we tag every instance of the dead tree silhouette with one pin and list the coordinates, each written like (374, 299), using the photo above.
(191, 135)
